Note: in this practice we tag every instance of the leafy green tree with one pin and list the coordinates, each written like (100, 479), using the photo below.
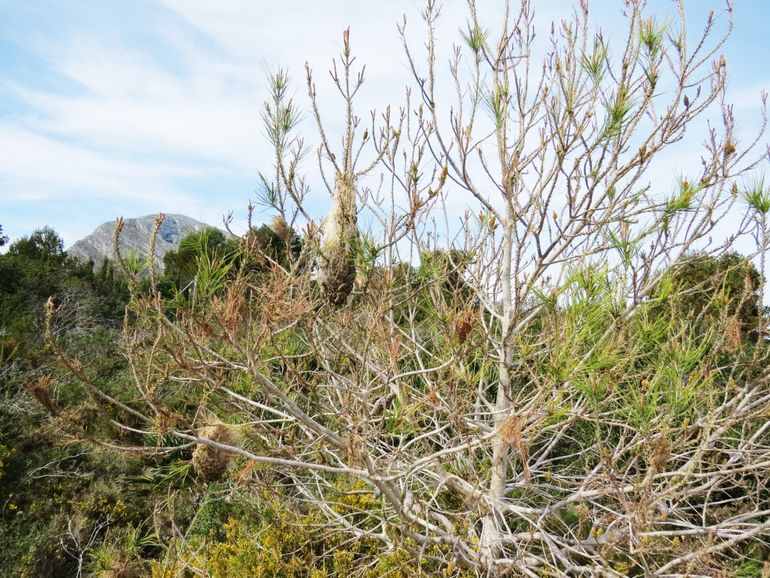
(3, 238)
(181, 266)
(57, 492)
(36, 268)
(266, 245)
(30, 271)
(42, 245)
(707, 287)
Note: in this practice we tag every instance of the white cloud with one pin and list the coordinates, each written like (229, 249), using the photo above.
(50, 167)
(128, 102)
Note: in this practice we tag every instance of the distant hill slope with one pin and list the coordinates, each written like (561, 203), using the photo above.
(135, 238)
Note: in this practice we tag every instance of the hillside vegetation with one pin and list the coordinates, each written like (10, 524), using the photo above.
(570, 378)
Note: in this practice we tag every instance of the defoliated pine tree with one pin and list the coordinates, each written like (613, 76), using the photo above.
(507, 392)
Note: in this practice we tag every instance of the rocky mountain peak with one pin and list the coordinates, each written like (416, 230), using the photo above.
(135, 238)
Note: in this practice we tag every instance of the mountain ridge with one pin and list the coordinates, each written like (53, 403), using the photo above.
(135, 237)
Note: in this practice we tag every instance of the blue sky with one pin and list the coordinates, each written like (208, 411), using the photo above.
(129, 107)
